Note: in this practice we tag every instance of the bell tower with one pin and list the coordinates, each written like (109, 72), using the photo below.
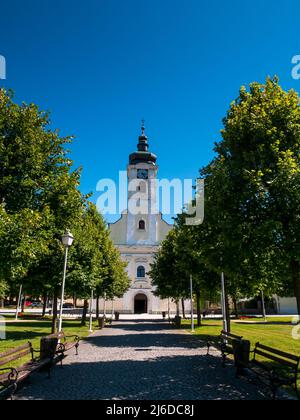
(140, 231)
(142, 194)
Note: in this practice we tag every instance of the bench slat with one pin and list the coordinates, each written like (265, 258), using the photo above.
(276, 359)
(15, 350)
(15, 356)
(279, 352)
(4, 377)
(230, 340)
(229, 335)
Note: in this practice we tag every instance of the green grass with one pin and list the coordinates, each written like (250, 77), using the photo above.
(19, 333)
(276, 333)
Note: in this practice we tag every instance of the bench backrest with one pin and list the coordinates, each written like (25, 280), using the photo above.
(282, 358)
(15, 354)
(59, 336)
(230, 338)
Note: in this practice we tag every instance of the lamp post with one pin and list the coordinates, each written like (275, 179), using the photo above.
(104, 306)
(67, 241)
(19, 302)
(192, 304)
(91, 312)
(224, 306)
(112, 308)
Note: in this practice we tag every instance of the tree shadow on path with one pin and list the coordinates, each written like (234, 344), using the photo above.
(163, 378)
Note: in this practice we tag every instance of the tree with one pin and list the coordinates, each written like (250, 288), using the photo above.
(115, 280)
(39, 200)
(178, 258)
(39, 195)
(258, 170)
(94, 261)
(3, 291)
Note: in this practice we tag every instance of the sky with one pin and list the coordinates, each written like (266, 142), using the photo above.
(100, 66)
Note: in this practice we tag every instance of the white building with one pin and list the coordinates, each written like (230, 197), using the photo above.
(138, 235)
(286, 305)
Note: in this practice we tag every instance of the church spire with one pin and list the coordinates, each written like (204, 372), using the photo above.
(143, 145)
(142, 155)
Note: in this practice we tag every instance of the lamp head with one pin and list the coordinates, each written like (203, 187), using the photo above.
(67, 239)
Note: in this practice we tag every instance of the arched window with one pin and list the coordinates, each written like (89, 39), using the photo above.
(142, 225)
(141, 272)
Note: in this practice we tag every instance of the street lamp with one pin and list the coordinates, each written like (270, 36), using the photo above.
(192, 304)
(67, 241)
(224, 303)
(91, 312)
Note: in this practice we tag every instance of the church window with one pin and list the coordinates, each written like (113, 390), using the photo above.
(142, 225)
(141, 272)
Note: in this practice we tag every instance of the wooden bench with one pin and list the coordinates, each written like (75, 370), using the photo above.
(64, 344)
(227, 344)
(275, 368)
(11, 377)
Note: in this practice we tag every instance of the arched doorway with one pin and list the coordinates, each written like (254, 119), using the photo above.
(140, 304)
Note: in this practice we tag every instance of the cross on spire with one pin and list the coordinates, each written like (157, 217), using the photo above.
(143, 127)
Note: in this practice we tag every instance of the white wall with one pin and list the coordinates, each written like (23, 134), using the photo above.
(287, 306)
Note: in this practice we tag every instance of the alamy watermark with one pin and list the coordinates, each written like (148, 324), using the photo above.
(2, 67)
(296, 68)
(151, 196)
(2, 328)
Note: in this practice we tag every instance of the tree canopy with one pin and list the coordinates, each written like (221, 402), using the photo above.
(39, 199)
(252, 201)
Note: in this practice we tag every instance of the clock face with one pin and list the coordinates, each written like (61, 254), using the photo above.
(142, 174)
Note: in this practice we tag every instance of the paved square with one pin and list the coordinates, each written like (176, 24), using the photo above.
(141, 361)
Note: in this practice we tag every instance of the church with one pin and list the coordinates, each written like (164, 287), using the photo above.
(138, 235)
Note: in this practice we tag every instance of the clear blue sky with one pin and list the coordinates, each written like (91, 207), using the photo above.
(100, 66)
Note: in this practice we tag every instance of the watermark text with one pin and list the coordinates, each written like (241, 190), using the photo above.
(2, 67)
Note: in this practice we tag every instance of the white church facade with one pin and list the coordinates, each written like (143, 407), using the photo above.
(138, 234)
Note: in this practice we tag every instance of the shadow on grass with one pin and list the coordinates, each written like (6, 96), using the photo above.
(264, 323)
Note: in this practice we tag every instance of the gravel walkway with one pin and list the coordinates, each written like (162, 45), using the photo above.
(141, 361)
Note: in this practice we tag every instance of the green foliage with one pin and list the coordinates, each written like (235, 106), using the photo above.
(178, 258)
(38, 191)
(251, 230)
(39, 200)
(94, 261)
(258, 169)
(3, 289)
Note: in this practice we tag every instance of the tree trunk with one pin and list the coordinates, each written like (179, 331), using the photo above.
(263, 306)
(97, 307)
(177, 308)
(84, 313)
(199, 321)
(183, 309)
(54, 315)
(1, 303)
(45, 298)
(236, 310)
(295, 271)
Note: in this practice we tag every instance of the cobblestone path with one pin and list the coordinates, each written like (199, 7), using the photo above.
(141, 361)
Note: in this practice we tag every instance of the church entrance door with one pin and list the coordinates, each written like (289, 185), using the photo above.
(140, 304)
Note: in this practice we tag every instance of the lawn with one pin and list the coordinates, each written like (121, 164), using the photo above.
(276, 332)
(19, 333)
